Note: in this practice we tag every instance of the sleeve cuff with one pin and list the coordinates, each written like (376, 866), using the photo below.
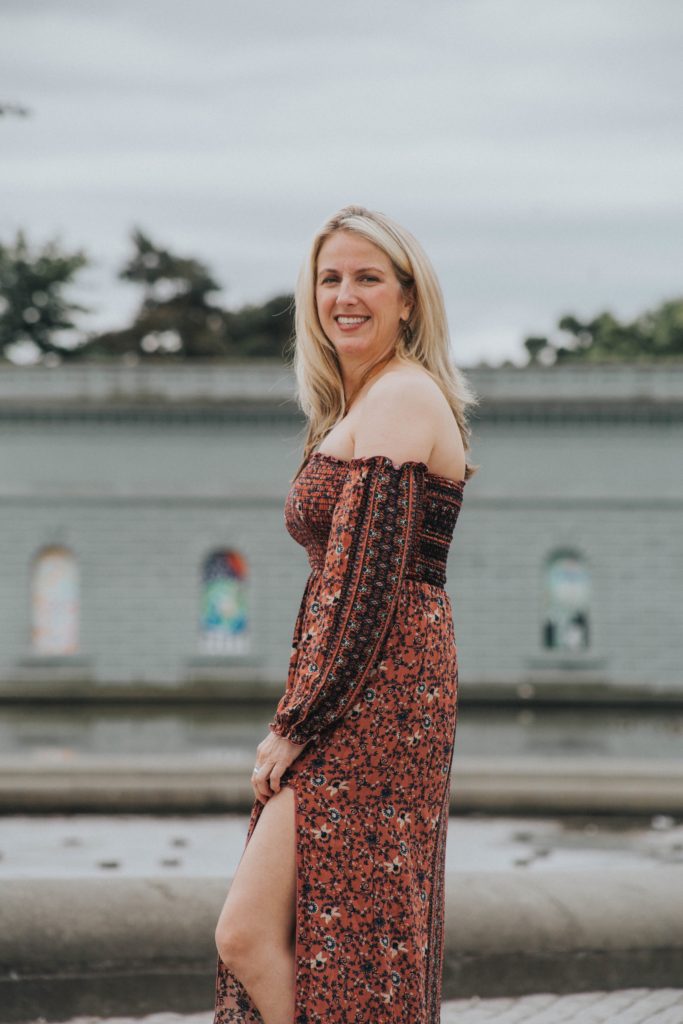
(292, 733)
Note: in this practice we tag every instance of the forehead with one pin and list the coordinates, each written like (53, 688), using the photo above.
(346, 247)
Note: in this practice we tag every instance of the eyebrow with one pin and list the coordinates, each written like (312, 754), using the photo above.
(361, 270)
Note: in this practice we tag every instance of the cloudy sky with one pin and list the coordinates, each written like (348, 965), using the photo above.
(535, 147)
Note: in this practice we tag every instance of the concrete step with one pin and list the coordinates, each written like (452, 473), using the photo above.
(545, 785)
(134, 946)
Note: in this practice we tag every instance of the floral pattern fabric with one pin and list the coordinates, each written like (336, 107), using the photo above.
(372, 689)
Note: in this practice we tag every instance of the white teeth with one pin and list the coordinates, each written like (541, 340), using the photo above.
(352, 319)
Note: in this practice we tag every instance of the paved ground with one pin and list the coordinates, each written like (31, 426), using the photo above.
(632, 1006)
(93, 845)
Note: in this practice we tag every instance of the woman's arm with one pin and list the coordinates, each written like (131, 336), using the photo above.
(375, 529)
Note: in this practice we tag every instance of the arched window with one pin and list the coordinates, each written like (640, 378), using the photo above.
(55, 602)
(566, 620)
(224, 613)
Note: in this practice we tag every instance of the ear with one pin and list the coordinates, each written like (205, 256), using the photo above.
(408, 304)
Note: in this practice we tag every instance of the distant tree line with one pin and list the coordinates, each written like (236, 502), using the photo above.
(655, 334)
(176, 319)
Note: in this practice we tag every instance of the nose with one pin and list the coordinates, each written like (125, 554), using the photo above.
(346, 293)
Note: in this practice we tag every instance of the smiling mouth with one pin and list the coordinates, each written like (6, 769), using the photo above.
(351, 319)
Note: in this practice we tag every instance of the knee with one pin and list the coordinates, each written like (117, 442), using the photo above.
(236, 945)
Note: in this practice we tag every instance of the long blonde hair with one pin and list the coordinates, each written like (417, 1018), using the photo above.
(320, 389)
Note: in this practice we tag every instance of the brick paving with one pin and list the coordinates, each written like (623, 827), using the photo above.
(629, 1006)
(632, 1006)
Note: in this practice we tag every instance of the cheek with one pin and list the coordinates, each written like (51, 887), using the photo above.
(323, 305)
(389, 301)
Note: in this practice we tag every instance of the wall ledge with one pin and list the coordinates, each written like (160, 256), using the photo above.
(136, 946)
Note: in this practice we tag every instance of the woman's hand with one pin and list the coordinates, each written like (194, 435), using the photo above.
(274, 755)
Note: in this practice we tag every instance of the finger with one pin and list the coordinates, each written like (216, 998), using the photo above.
(262, 781)
(255, 786)
(257, 776)
(275, 777)
(258, 796)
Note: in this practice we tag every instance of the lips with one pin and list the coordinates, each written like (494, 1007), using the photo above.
(349, 320)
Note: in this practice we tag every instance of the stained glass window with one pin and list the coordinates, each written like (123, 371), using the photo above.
(55, 602)
(567, 602)
(224, 626)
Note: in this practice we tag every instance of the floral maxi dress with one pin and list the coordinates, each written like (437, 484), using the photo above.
(372, 684)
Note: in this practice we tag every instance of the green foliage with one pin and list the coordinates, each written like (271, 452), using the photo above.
(656, 334)
(266, 330)
(152, 267)
(534, 347)
(177, 320)
(33, 308)
(15, 109)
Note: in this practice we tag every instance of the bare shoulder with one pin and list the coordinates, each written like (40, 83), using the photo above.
(400, 416)
(406, 383)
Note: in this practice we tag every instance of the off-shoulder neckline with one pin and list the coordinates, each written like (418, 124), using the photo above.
(410, 462)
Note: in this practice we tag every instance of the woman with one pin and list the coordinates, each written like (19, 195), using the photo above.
(335, 912)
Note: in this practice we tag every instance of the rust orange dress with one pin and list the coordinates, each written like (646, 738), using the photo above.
(372, 684)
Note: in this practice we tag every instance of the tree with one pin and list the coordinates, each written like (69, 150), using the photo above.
(534, 347)
(17, 109)
(655, 334)
(263, 331)
(177, 319)
(34, 312)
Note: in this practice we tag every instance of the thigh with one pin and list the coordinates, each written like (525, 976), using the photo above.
(263, 889)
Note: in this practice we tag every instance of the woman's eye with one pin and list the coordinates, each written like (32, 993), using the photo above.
(364, 277)
(334, 281)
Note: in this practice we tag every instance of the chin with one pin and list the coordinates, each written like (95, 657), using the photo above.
(354, 345)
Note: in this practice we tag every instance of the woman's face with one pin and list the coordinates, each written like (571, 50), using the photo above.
(358, 296)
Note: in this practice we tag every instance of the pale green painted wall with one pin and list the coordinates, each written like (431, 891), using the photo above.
(142, 472)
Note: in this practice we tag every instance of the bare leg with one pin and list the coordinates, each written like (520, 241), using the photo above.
(255, 930)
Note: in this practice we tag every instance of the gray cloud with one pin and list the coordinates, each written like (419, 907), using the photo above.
(534, 148)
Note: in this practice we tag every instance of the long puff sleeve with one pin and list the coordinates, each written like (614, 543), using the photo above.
(372, 543)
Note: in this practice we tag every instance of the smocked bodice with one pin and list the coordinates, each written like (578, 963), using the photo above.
(314, 495)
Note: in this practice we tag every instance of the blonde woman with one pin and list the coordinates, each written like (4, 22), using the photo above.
(335, 912)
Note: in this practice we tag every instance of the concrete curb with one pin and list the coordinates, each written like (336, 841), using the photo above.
(562, 931)
(190, 784)
(119, 946)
